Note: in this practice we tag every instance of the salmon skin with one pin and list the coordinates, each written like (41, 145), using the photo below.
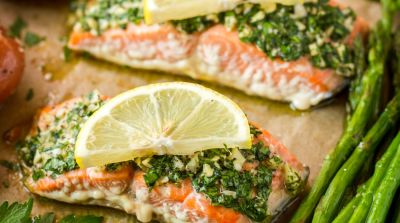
(51, 171)
(215, 54)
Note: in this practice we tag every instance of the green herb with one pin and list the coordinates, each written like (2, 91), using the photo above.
(29, 94)
(104, 13)
(212, 173)
(27, 149)
(31, 39)
(164, 166)
(67, 52)
(86, 55)
(58, 165)
(320, 33)
(20, 213)
(6, 184)
(151, 178)
(82, 219)
(293, 181)
(314, 29)
(113, 167)
(16, 28)
(16, 212)
(60, 136)
(255, 131)
(260, 151)
(46, 218)
(37, 174)
(9, 165)
(192, 25)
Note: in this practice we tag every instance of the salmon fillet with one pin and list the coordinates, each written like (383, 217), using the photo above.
(125, 187)
(217, 55)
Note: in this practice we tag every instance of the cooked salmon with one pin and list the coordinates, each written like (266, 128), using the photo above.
(215, 54)
(52, 139)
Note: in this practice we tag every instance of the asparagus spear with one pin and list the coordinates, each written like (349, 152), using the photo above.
(389, 8)
(361, 211)
(384, 194)
(388, 184)
(352, 135)
(395, 65)
(396, 209)
(356, 125)
(356, 87)
(328, 206)
(348, 196)
(380, 169)
(346, 213)
(367, 169)
(396, 59)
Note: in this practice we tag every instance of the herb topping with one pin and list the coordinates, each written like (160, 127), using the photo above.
(218, 174)
(51, 151)
(314, 29)
(234, 178)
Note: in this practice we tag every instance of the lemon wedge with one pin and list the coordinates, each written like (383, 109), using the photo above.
(170, 118)
(157, 11)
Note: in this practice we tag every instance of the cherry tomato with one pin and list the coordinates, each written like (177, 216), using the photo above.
(11, 65)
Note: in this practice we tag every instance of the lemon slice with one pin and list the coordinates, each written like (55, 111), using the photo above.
(170, 118)
(157, 11)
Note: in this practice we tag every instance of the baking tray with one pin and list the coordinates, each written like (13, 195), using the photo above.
(309, 134)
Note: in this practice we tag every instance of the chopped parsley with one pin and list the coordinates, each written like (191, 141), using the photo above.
(292, 181)
(51, 150)
(254, 131)
(21, 212)
(6, 184)
(16, 28)
(114, 166)
(29, 95)
(60, 164)
(32, 39)
(67, 54)
(315, 30)
(213, 173)
(37, 174)
(46, 218)
(15, 212)
(9, 165)
(107, 13)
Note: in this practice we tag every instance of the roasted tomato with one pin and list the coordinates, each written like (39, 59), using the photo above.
(11, 65)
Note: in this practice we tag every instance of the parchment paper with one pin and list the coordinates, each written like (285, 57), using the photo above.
(310, 135)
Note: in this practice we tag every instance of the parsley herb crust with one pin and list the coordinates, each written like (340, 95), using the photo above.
(316, 30)
(50, 151)
(213, 173)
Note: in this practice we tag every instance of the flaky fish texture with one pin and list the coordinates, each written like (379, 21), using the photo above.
(125, 187)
